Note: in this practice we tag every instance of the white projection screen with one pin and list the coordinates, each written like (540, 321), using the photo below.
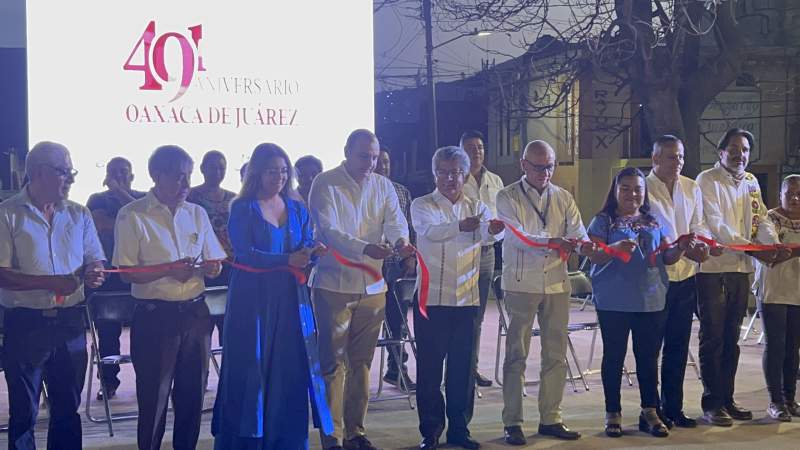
(121, 78)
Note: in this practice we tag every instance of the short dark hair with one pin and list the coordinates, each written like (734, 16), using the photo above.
(732, 133)
(471, 134)
(211, 154)
(610, 207)
(167, 158)
(665, 139)
(308, 160)
(357, 135)
(118, 160)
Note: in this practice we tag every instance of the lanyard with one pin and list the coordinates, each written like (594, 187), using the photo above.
(542, 214)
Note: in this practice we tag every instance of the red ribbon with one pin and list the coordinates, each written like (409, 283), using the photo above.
(619, 254)
(376, 276)
(714, 244)
(424, 285)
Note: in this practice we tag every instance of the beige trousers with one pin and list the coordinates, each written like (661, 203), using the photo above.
(348, 327)
(553, 313)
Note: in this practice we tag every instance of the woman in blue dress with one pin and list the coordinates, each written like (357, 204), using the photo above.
(270, 363)
(630, 297)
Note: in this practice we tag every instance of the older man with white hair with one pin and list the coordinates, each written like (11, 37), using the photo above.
(536, 284)
(451, 227)
(49, 250)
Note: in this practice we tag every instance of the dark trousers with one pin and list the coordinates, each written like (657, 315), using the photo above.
(108, 334)
(170, 346)
(781, 358)
(448, 333)
(721, 306)
(681, 304)
(647, 329)
(50, 349)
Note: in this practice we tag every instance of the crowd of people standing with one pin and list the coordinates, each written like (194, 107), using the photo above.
(300, 328)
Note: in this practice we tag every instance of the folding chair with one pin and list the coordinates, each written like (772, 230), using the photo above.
(404, 290)
(216, 300)
(502, 332)
(117, 306)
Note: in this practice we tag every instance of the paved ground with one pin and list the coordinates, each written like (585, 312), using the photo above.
(391, 424)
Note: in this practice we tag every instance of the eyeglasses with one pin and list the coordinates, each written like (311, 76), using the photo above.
(450, 174)
(62, 172)
(540, 168)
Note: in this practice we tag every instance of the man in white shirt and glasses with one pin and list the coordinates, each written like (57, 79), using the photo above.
(355, 211)
(536, 284)
(49, 250)
(677, 203)
(481, 184)
(172, 244)
(735, 213)
(450, 230)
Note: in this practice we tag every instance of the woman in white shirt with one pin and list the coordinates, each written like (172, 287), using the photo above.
(779, 289)
(450, 230)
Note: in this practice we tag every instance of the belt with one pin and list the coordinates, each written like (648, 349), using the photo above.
(180, 305)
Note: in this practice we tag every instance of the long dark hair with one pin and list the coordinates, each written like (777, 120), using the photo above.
(256, 166)
(610, 207)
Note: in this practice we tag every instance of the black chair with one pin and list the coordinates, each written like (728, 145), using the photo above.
(117, 306)
(216, 300)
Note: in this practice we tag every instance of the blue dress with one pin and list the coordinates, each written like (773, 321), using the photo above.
(270, 363)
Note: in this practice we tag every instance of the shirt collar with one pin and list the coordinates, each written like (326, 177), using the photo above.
(527, 188)
(25, 199)
(350, 179)
(153, 202)
(439, 198)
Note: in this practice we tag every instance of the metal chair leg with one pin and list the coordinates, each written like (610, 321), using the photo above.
(750, 326)
(577, 363)
(694, 364)
(570, 376)
(628, 375)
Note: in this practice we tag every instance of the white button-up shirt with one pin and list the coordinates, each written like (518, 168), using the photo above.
(347, 216)
(532, 270)
(781, 284)
(452, 256)
(490, 185)
(147, 233)
(679, 212)
(34, 246)
(735, 214)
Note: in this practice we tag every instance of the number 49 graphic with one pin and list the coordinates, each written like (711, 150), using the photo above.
(154, 58)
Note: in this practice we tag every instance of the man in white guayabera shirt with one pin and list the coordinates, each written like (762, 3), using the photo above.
(355, 211)
(677, 203)
(482, 184)
(735, 214)
(536, 284)
(451, 228)
(49, 250)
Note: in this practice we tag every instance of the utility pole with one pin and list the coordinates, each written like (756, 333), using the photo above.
(427, 6)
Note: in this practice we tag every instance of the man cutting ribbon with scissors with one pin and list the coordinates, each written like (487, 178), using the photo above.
(171, 247)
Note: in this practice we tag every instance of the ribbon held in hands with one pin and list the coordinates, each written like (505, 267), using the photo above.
(619, 254)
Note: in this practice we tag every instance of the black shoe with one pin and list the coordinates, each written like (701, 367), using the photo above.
(393, 378)
(359, 443)
(681, 421)
(464, 442)
(737, 412)
(560, 431)
(112, 392)
(657, 429)
(429, 443)
(514, 436)
(779, 412)
(482, 381)
(793, 407)
(718, 417)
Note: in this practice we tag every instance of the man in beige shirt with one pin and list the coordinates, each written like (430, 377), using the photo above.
(171, 328)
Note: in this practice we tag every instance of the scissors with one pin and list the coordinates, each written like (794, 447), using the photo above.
(197, 260)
